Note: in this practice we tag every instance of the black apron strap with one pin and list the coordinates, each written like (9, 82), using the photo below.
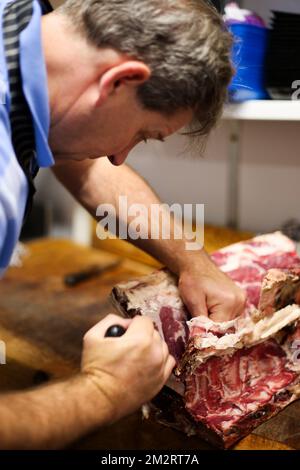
(45, 6)
(23, 135)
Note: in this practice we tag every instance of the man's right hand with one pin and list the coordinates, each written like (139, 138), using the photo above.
(130, 370)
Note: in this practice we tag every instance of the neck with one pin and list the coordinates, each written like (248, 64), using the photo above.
(72, 64)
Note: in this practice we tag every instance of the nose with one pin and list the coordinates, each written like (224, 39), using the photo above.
(121, 157)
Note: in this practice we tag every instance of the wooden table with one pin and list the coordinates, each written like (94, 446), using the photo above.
(42, 323)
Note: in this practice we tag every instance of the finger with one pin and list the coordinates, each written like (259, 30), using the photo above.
(229, 310)
(160, 345)
(241, 303)
(169, 366)
(221, 313)
(157, 337)
(195, 302)
(100, 329)
(165, 351)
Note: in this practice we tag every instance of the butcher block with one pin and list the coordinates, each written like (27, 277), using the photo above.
(42, 323)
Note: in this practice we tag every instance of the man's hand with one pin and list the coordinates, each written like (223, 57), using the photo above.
(117, 376)
(128, 371)
(206, 290)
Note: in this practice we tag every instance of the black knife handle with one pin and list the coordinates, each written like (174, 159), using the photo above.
(115, 331)
(73, 279)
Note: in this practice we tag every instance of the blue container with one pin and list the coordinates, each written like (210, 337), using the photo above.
(249, 52)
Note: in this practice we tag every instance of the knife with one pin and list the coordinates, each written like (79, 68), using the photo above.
(73, 279)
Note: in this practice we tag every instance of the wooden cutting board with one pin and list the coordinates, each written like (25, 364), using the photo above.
(43, 322)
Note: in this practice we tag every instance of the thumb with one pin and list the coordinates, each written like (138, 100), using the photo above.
(141, 326)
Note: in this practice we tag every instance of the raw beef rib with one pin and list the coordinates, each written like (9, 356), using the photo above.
(279, 288)
(231, 376)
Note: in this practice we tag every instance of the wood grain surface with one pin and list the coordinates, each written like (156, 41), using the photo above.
(42, 323)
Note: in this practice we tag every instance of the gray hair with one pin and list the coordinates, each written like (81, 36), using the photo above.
(184, 43)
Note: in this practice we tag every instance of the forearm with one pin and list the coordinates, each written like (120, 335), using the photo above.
(52, 416)
(203, 287)
(98, 182)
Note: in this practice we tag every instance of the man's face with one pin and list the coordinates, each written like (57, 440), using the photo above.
(112, 129)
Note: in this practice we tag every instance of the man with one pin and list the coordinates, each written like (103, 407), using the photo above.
(96, 78)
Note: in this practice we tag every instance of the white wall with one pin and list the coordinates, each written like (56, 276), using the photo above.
(269, 173)
(263, 7)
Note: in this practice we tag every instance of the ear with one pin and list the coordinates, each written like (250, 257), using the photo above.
(130, 73)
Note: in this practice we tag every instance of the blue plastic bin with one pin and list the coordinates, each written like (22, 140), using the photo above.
(249, 52)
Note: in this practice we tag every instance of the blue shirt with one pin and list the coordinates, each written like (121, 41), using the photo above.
(13, 182)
